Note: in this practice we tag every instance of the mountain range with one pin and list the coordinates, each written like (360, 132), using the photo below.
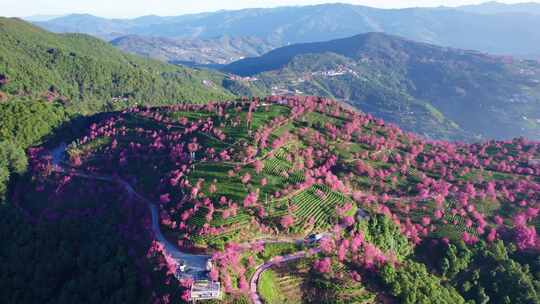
(492, 27)
(436, 91)
(495, 7)
(419, 86)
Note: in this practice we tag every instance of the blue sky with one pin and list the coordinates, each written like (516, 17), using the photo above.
(134, 8)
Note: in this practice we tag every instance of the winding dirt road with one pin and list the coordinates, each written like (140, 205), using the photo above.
(195, 264)
(254, 295)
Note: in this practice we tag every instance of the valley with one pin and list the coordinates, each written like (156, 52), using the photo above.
(194, 51)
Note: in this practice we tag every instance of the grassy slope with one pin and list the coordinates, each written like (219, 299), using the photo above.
(268, 288)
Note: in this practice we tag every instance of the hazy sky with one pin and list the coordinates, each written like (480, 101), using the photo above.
(134, 8)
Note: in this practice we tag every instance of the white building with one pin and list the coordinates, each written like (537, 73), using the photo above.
(205, 290)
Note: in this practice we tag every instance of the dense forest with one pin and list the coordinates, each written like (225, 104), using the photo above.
(64, 261)
(80, 242)
(24, 123)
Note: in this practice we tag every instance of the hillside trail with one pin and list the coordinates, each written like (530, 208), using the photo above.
(253, 293)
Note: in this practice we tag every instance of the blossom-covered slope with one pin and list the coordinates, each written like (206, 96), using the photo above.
(401, 219)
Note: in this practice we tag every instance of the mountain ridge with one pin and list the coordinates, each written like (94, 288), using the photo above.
(269, 180)
(495, 7)
(513, 34)
(437, 91)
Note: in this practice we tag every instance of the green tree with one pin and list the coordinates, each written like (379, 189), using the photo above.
(386, 235)
(412, 283)
(12, 161)
(489, 273)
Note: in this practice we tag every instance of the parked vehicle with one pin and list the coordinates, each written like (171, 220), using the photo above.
(314, 238)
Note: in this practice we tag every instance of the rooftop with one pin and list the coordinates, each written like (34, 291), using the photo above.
(203, 290)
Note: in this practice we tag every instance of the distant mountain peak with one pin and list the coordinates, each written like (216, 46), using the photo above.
(496, 7)
(352, 47)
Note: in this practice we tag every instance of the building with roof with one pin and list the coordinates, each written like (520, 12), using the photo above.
(205, 290)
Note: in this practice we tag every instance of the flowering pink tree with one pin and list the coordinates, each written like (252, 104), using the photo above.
(165, 198)
(246, 178)
(525, 237)
(259, 166)
(348, 221)
(287, 221)
(324, 265)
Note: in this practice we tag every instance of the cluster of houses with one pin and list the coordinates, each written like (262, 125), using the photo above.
(240, 78)
(338, 71)
(279, 91)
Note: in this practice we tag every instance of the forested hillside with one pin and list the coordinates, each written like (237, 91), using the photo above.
(24, 123)
(89, 75)
(85, 248)
(439, 92)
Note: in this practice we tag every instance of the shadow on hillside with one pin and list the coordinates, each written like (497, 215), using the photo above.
(72, 129)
